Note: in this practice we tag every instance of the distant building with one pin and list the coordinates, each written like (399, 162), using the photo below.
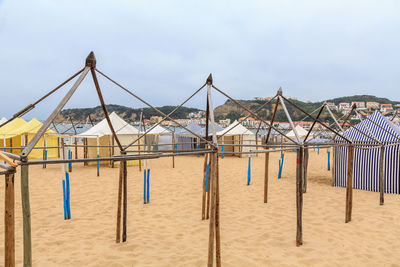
(386, 108)
(155, 119)
(359, 104)
(344, 106)
(331, 105)
(225, 123)
(372, 105)
(258, 98)
(308, 101)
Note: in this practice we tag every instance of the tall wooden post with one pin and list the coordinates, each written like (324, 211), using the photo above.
(266, 177)
(210, 178)
(217, 217)
(26, 214)
(333, 166)
(173, 148)
(299, 196)
(213, 190)
(203, 200)
(119, 201)
(381, 176)
(305, 167)
(9, 222)
(349, 185)
(76, 147)
(124, 218)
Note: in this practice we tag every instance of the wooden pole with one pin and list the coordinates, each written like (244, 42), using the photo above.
(203, 200)
(125, 172)
(333, 166)
(173, 148)
(349, 185)
(9, 222)
(112, 152)
(217, 217)
(266, 177)
(119, 202)
(305, 167)
(299, 196)
(212, 214)
(76, 147)
(210, 178)
(26, 214)
(84, 150)
(381, 176)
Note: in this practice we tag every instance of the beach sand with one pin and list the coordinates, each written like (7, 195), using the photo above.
(169, 231)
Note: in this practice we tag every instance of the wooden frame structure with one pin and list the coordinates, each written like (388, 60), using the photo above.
(210, 199)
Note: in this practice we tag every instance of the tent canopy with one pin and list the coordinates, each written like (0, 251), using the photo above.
(376, 127)
(300, 131)
(237, 130)
(158, 130)
(121, 127)
(3, 120)
(194, 127)
(10, 127)
(31, 127)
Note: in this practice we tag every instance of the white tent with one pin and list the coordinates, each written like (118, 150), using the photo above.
(159, 138)
(300, 131)
(159, 130)
(236, 134)
(101, 135)
(3, 120)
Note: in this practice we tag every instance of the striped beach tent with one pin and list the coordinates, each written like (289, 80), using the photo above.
(377, 130)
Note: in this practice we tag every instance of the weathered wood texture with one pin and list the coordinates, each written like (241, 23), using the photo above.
(299, 196)
(125, 182)
(9, 222)
(26, 214)
(119, 202)
(382, 176)
(266, 177)
(217, 218)
(349, 185)
(213, 190)
(203, 199)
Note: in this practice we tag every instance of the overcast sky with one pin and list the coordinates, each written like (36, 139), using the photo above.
(164, 50)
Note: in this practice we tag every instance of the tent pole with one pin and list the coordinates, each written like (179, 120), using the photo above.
(381, 176)
(349, 184)
(26, 213)
(299, 196)
(9, 221)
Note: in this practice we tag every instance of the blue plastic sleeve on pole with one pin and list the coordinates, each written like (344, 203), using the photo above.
(318, 150)
(148, 185)
(207, 173)
(176, 146)
(249, 172)
(329, 154)
(70, 157)
(64, 200)
(144, 185)
(45, 155)
(222, 152)
(68, 195)
(279, 169)
(98, 165)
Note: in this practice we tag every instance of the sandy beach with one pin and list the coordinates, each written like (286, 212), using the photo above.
(169, 231)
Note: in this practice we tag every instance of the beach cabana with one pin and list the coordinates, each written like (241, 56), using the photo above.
(19, 133)
(100, 141)
(300, 131)
(159, 138)
(185, 140)
(366, 158)
(236, 134)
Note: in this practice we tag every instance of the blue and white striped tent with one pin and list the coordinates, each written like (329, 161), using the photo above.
(366, 161)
